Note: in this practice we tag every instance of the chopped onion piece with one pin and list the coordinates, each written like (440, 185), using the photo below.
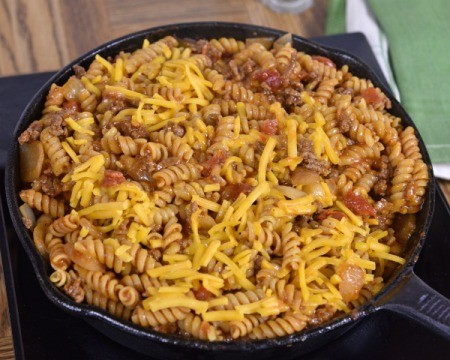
(283, 40)
(265, 41)
(314, 189)
(290, 192)
(28, 217)
(31, 160)
(332, 186)
(82, 258)
(352, 281)
(302, 176)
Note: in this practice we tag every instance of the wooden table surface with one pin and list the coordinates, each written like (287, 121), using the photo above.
(44, 35)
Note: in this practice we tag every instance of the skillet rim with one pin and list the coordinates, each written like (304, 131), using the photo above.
(91, 313)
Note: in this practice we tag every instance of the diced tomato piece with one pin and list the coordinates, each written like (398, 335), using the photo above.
(262, 75)
(371, 96)
(269, 127)
(324, 60)
(358, 204)
(218, 158)
(338, 215)
(231, 192)
(202, 294)
(274, 82)
(112, 178)
(271, 77)
(71, 105)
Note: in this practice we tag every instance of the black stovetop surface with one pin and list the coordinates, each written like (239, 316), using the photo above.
(43, 331)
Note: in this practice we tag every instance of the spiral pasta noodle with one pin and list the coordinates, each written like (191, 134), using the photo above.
(162, 317)
(105, 254)
(56, 153)
(113, 307)
(228, 46)
(42, 202)
(57, 256)
(285, 325)
(199, 328)
(221, 189)
(244, 327)
(176, 145)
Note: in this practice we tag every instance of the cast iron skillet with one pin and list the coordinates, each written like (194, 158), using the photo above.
(404, 293)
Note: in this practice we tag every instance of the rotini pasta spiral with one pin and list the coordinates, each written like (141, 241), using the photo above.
(242, 298)
(57, 256)
(59, 277)
(176, 145)
(129, 296)
(172, 236)
(55, 97)
(288, 293)
(358, 132)
(58, 157)
(113, 307)
(194, 325)
(244, 327)
(325, 90)
(105, 284)
(118, 144)
(172, 94)
(64, 225)
(164, 196)
(410, 144)
(162, 317)
(241, 94)
(321, 70)
(227, 46)
(39, 232)
(42, 202)
(285, 325)
(290, 244)
(176, 173)
(142, 282)
(105, 254)
(400, 183)
(252, 111)
(147, 54)
(284, 56)
(155, 151)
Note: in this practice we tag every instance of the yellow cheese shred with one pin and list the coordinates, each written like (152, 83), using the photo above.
(266, 157)
(168, 300)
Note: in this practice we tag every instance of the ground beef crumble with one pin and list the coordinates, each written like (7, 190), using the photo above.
(112, 178)
(310, 160)
(133, 130)
(31, 133)
(49, 184)
(74, 289)
(79, 71)
(177, 129)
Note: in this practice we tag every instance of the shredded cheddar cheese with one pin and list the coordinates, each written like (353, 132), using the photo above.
(170, 300)
(266, 157)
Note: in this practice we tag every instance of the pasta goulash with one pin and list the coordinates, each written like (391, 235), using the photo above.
(220, 189)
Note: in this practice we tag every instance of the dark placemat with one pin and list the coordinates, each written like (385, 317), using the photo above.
(43, 331)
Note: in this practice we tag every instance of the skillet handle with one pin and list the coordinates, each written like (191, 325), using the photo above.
(416, 300)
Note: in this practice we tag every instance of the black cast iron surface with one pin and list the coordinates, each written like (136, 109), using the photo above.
(43, 331)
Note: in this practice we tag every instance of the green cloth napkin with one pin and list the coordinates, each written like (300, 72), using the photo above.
(335, 23)
(418, 32)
